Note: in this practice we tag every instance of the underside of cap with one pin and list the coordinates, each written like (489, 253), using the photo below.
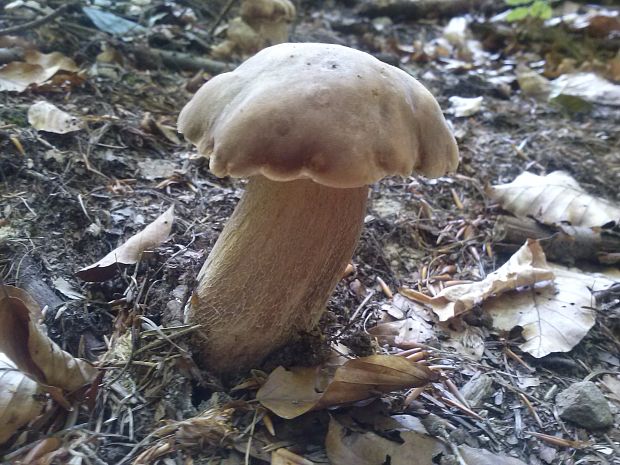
(320, 111)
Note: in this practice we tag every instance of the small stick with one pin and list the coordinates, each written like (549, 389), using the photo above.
(530, 407)
(417, 357)
(37, 22)
(384, 287)
(219, 18)
(458, 405)
(518, 359)
(413, 395)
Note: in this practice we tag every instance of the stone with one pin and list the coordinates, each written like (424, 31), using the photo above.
(583, 403)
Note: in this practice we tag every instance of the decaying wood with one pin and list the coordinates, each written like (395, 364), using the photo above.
(416, 9)
(153, 58)
(561, 243)
(37, 22)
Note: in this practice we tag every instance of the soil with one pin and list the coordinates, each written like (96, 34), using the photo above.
(69, 199)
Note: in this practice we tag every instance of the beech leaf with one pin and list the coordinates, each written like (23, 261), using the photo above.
(346, 446)
(43, 116)
(36, 69)
(32, 351)
(554, 198)
(527, 266)
(292, 392)
(554, 316)
(130, 252)
(21, 398)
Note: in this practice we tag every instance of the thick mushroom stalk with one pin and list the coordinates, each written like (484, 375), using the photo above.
(273, 268)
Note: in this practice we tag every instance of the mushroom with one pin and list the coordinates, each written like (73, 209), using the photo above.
(311, 126)
(269, 18)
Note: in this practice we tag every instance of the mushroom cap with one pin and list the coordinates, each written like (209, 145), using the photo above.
(267, 10)
(326, 112)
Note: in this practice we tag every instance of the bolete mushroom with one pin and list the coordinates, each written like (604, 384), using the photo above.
(311, 126)
(269, 18)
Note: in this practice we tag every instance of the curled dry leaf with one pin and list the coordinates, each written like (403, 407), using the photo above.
(20, 398)
(130, 252)
(526, 267)
(25, 343)
(554, 316)
(346, 446)
(293, 392)
(36, 69)
(414, 327)
(43, 116)
(554, 198)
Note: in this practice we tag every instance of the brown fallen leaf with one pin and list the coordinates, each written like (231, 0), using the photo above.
(32, 351)
(36, 69)
(43, 116)
(293, 392)
(346, 446)
(21, 399)
(130, 252)
(414, 327)
(554, 316)
(554, 198)
(526, 267)
(17, 76)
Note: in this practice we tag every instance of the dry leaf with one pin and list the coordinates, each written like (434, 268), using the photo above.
(44, 116)
(345, 446)
(612, 384)
(17, 76)
(553, 316)
(130, 252)
(468, 341)
(51, 60)
(293, 392)
(526, 267)
(413, 328)
(21, 398)
(473, 456)
(37, 68)
(554, 198)
(25, 343)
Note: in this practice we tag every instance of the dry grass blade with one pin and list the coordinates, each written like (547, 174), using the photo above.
(211, 429)
(24, 342)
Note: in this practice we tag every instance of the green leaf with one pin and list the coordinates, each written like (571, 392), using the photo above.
(518, 14)
(517, 2)
(541, 9)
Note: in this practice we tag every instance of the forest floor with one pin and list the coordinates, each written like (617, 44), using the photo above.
(66, 200)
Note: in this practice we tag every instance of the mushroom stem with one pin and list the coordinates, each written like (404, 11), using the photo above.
(273, 268)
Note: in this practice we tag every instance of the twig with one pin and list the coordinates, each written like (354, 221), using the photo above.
(37, 22)
(219, 18)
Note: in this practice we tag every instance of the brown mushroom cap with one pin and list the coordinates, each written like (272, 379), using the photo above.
(267, 10)
(326, 112)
